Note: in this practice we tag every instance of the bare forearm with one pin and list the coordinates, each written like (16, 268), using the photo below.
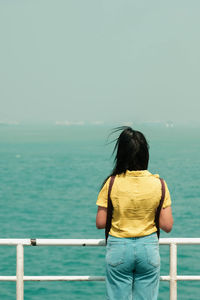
(101, 217)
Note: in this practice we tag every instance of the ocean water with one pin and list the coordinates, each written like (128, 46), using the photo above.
(49, 181)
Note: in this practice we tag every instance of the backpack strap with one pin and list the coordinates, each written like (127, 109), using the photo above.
(109, 209)
(157, 216)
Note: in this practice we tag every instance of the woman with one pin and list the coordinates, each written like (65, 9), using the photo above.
(132, 252)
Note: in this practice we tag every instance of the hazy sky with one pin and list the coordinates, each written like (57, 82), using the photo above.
(100, 60)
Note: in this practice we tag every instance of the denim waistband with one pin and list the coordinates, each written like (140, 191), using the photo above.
(139, 238)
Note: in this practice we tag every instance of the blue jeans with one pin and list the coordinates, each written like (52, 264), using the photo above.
(132, 268)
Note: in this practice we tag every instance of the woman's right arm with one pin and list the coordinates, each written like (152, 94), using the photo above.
(101, 217)
(166, 219)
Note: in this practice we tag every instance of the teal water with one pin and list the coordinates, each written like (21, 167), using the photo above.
(49, 180)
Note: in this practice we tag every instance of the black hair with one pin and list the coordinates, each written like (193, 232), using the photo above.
(132, 151)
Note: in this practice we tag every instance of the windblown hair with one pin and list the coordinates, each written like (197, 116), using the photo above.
(132, 151)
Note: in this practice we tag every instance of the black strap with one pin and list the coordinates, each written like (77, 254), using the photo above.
(157, 216)
(109, 209)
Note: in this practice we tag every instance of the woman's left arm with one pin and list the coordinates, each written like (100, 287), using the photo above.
(101, 217)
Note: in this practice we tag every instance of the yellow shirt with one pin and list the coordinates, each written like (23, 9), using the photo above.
(135, 197)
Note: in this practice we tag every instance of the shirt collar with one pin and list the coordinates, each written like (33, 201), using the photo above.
(140, 173)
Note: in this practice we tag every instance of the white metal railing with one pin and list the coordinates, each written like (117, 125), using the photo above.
(20, 278)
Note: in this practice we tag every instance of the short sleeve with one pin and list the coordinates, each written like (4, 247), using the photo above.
(102, 199)
(167, 201)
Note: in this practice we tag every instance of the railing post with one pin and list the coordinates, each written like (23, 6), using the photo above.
(20, 272)
(173, 271)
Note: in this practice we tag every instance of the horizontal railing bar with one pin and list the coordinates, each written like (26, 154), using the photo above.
(7, 278)
(87, 242)
(70, 242)
(101, 242)
(64, 278)
(165, 278)
(185, 277)
(54, 278)
(183, 241)
(181, 277)
(87, 278)
(15, 242)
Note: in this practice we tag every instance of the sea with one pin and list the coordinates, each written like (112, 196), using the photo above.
(50, 177)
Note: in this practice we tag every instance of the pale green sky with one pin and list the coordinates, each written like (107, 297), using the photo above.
(99, 60)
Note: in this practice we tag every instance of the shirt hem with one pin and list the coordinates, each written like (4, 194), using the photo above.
(131, 235)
